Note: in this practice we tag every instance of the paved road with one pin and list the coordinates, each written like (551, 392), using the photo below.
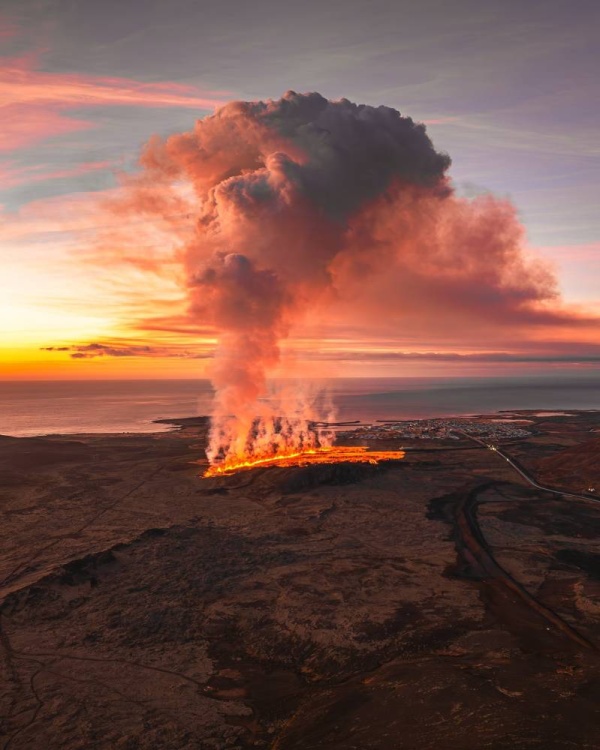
(524, 473)
(478, 554)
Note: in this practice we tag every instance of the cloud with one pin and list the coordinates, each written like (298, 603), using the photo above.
(584, 357)
(11, 174)
(580, 353)
(94, 349)
(57, 217)
(309, 208)
(35, 103)
(402, 259)
(350, 204)
(23, 125)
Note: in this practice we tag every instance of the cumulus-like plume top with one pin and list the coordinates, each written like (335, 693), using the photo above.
(335, 153)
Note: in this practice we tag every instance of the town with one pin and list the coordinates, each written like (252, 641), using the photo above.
(437, 429)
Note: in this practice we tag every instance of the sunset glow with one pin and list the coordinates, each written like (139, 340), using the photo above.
(94, 292)
(299, 374)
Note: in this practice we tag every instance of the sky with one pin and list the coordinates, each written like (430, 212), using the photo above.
(508, 89)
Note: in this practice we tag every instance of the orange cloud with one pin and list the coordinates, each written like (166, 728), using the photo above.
(23, 125)
(34, 101)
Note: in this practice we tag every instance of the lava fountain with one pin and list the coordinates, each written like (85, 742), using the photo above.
(324, 455)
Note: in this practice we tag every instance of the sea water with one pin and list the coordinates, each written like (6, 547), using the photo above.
(68, 407)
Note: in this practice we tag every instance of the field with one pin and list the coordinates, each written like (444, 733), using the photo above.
(437, 602)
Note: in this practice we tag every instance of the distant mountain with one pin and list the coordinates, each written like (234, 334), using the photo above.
(576, 468)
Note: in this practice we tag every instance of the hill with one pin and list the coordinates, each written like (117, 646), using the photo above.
(576, 468)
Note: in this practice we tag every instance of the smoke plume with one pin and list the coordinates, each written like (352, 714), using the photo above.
(305, 203)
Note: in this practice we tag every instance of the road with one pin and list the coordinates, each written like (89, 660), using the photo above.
(511, 596)
(524, 473)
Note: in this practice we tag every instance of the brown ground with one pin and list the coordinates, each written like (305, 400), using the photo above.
(577, 467)
(440, 603)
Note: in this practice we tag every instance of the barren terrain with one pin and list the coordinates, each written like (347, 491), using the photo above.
(437, 602)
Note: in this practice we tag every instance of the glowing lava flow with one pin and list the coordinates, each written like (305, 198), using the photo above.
(326, 455)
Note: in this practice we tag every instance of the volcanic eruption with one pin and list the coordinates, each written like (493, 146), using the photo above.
(305, 203)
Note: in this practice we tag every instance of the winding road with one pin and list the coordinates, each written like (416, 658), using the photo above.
(524, 473)
(476, 552)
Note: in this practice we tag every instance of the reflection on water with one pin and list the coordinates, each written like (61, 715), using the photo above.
(34, 408)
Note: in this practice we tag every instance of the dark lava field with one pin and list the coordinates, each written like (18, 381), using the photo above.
(438, 602)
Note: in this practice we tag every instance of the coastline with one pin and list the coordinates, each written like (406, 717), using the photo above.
(170, 424)
(146, 406)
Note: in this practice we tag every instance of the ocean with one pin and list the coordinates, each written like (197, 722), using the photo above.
(29, 408)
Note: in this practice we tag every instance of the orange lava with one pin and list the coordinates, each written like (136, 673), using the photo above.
(330, 455)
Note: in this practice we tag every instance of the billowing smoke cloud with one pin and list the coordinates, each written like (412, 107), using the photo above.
(302, 203)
